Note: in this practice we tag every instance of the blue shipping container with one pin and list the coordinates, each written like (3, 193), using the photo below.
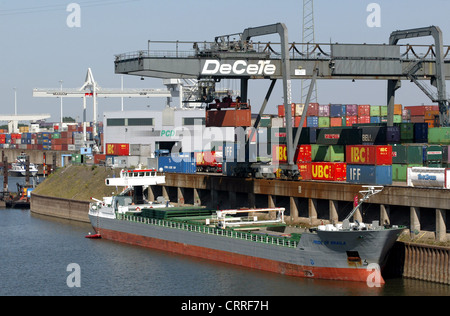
(337, 110)
(421, 132)
(178, 163)
(375, 119)
(312, 121)
(369, 174)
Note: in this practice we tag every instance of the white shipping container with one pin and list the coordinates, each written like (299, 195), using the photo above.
(428, 177)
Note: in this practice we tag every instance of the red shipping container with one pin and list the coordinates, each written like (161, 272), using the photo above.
(297, 120)
(281, 110)
(335, 121)
(302, 154)
(364, 110)
(417, 119)
(363, 119)
(350, 120)
(368, 154)
(304, 169)
(329, 171)
(313, 109)
(118, 149)
(419, 110)
(99, 158)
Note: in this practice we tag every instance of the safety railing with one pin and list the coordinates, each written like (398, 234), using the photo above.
(187, 49)
(260, 238)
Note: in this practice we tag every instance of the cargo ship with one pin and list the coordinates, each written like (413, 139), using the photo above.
(345, 251)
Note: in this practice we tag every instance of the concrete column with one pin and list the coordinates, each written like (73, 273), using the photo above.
(232, 199)
(293, 205)
(271, 200)
(251, 200)
(414, 219)
(334, 218)
(151, 194)
(384, 215)
(197, 200)
(165, 193)
(441, 228)
(312, 210)
(180, 195)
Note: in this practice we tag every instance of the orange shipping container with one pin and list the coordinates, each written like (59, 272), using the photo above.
(398, 109)
(335, 121)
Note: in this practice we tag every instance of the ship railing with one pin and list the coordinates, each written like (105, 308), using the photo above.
(283, 241)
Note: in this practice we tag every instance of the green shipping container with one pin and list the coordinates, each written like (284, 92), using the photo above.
(375, 110)
(407, 154)
(324, 121)
(56, 135)
(399, 171)
(397, 118)
(434, 153)
(439, 135)
(328, 153)
(406, 132)
(383, 110)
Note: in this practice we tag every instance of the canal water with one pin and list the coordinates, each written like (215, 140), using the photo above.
(46, 256)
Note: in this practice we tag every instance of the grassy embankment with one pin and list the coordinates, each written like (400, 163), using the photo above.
(78, 183)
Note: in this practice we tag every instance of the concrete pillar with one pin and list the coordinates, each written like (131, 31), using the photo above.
(197, 200)
(151, 194)
(384, 215)
(271, 200)
(232, 199)
(180, 195)
(312, 210)
(414, 220)
(293, 205)
(334, 218)
(251, 200)
(441, 228)
(165, 193)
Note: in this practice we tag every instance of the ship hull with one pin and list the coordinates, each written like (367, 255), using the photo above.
(322, 256)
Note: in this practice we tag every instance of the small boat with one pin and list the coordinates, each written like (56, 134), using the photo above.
(93, 236)
(18, 168)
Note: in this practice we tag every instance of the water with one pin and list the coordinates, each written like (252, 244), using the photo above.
(35, 252)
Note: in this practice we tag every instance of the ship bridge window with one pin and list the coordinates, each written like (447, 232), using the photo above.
(193, 121)
(115, 122)
(140, 122)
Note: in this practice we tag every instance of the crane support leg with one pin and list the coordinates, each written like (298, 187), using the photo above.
(440, 72)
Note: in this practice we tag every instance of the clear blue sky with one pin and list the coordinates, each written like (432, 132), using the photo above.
(39, 49)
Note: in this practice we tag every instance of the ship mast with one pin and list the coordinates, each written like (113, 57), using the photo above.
(371, 190)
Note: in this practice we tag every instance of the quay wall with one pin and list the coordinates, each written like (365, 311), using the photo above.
(60, 207)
